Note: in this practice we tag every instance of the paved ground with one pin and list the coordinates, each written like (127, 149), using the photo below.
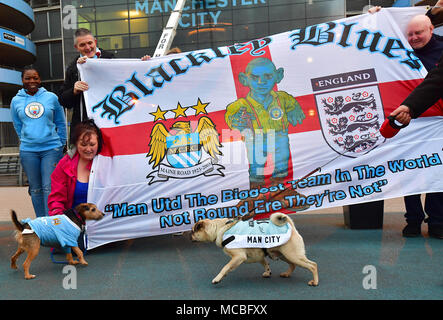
(353, 264)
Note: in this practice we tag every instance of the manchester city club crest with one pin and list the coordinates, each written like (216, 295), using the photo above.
(184, 154)
(184, 150)
(351, 116)
(34, 110)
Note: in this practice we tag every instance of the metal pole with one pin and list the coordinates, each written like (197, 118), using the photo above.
(169, 31)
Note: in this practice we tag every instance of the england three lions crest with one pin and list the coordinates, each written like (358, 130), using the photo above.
(351, 116)
(184, 154)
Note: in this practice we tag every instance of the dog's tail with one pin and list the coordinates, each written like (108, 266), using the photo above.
(280, 219)
(17, 223)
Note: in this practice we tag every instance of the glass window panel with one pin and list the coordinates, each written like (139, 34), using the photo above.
(211, 34)
(55, 23)
(104, 42)
(294, 11)
(39, 3)
(138, 25)
(41, 26)
(253, 15)
(144, 8)
(108, 2)
(313, 21)
(185, 36)
(112, 27)
(112, 12)
(277, 2)
(212, 17)
(123, 53)
(55, 86)
(221, 17)
(383, 3)
(140, 52)
(42, 62)
(324, 9)
(250, 31)
(154, 37)
(156, 23)
(283, 26)
(85, 15)
(8, 136)
(57, 60)
(7, 97)
(142, 40)
(79, 3)
(356, 5)
(118, 42)
(221, 4)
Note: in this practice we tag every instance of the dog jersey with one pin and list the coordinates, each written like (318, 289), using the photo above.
(55, 230)
(256, 234)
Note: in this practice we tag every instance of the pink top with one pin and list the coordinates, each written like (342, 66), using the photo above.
(63, 181)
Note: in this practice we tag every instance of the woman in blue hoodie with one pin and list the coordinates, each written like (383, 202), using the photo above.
(39, 121)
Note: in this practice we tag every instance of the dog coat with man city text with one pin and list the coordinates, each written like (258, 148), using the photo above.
(256, 234)
(55, 230)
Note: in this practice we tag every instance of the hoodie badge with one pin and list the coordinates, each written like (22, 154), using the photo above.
(34, 110)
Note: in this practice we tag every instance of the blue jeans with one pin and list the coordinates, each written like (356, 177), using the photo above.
(38, 167)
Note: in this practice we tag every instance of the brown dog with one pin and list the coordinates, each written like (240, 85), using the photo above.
(292, 252)
(53, 231)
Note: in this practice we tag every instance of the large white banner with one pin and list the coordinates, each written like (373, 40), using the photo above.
(188, 136)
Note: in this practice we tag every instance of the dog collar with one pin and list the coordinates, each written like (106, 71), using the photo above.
(79, 216)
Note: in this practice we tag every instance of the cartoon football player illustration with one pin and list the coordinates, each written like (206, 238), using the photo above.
(263, 118)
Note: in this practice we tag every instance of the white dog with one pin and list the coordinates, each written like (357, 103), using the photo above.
(285, 243)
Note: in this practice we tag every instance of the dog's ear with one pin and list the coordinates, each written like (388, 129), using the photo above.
(198, 226)
(82, 207)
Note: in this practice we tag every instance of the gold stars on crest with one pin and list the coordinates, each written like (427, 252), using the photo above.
(159, 114)
(200, 107)
(179, 111)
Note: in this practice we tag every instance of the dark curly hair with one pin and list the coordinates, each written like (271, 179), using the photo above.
(87, 127)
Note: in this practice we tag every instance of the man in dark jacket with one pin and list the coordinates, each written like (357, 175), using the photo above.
(428, 47)
(71, 93)
(422, 98)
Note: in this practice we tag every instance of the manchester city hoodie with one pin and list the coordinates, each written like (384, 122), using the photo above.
(39, 120)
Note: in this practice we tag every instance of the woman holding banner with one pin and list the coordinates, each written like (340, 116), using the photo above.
(70, 178)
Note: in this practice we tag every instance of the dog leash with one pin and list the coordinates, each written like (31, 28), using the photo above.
(248, 215)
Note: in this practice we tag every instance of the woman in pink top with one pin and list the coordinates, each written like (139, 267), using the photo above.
(69, 181)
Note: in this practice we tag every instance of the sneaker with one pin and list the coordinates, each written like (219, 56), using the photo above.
(412, 230)
(435, 231)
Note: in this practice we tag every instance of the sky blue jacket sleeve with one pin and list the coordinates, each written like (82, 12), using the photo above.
(60, 121)
(15, 119)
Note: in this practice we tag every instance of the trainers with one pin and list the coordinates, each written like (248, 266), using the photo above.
(435, 231)
(412, 230)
